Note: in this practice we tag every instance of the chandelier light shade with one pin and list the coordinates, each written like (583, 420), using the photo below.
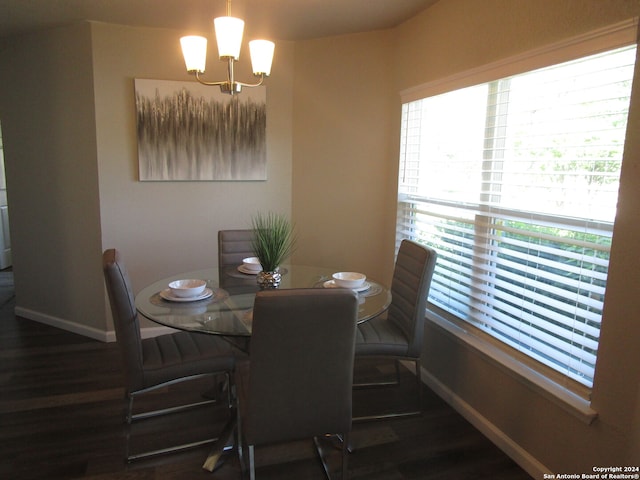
(229, 36)
(228, 31)
(194, 50)
(261, 56)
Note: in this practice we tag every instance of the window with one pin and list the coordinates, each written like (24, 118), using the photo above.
(514, 182)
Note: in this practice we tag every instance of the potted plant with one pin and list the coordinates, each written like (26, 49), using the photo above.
(273, 241)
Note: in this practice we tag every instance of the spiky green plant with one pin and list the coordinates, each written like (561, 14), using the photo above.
(273, 239)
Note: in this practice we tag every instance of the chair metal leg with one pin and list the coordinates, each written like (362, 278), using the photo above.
(127, 440)
(129, 420)
(177, 448)
(131, 417)
(252, 463)
(383, 383)
(164, 411)
(419, 385)
(129, 414)
(409, 413)
(239, 441)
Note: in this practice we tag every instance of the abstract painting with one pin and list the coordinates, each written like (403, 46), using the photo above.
(188, 131)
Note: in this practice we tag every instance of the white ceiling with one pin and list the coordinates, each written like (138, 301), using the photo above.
(274, 19)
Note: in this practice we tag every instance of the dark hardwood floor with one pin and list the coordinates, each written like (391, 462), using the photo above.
(62, 410)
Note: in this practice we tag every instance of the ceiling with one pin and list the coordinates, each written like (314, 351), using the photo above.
(274, 19)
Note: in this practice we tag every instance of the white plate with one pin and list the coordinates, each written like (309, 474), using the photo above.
(244, 269)
(363, 288)
(166, 294)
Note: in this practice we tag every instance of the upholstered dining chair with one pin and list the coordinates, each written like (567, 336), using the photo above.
(298, 383)
(158, 362)
(233, 247)
(399, 334)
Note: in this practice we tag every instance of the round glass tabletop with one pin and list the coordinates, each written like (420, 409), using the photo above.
(226, 306)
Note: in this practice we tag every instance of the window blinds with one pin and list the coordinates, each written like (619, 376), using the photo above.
(515, 183)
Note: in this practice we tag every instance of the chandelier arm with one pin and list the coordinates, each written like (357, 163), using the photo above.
(262, 77)
(229, 83)
(204, 82)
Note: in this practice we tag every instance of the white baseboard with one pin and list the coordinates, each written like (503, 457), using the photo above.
(518, 454)
(84, 330)
(63, 324)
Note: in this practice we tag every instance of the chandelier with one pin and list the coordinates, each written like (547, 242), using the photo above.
(229, 38)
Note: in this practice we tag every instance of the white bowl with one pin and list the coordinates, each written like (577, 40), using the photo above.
(252, 263)
(187, 288)
(349, 279)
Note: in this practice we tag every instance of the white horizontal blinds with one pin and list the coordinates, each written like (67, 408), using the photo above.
(564, 135)
(515, 183)
(516, 278)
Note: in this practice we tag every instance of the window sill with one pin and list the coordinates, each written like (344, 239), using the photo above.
(569, 401)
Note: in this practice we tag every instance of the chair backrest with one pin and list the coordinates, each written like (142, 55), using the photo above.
(125, 317)
(233, 247)
(409, 289)
(301, 373)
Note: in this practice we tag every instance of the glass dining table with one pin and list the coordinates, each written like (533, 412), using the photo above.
(226, 308)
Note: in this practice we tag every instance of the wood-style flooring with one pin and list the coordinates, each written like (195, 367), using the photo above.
(62, 417)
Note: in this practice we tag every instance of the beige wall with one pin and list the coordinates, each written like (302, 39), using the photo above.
(47, 115)
(344, 161)
(457, 35)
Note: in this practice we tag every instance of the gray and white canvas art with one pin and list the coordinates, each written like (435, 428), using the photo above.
(189, 131)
